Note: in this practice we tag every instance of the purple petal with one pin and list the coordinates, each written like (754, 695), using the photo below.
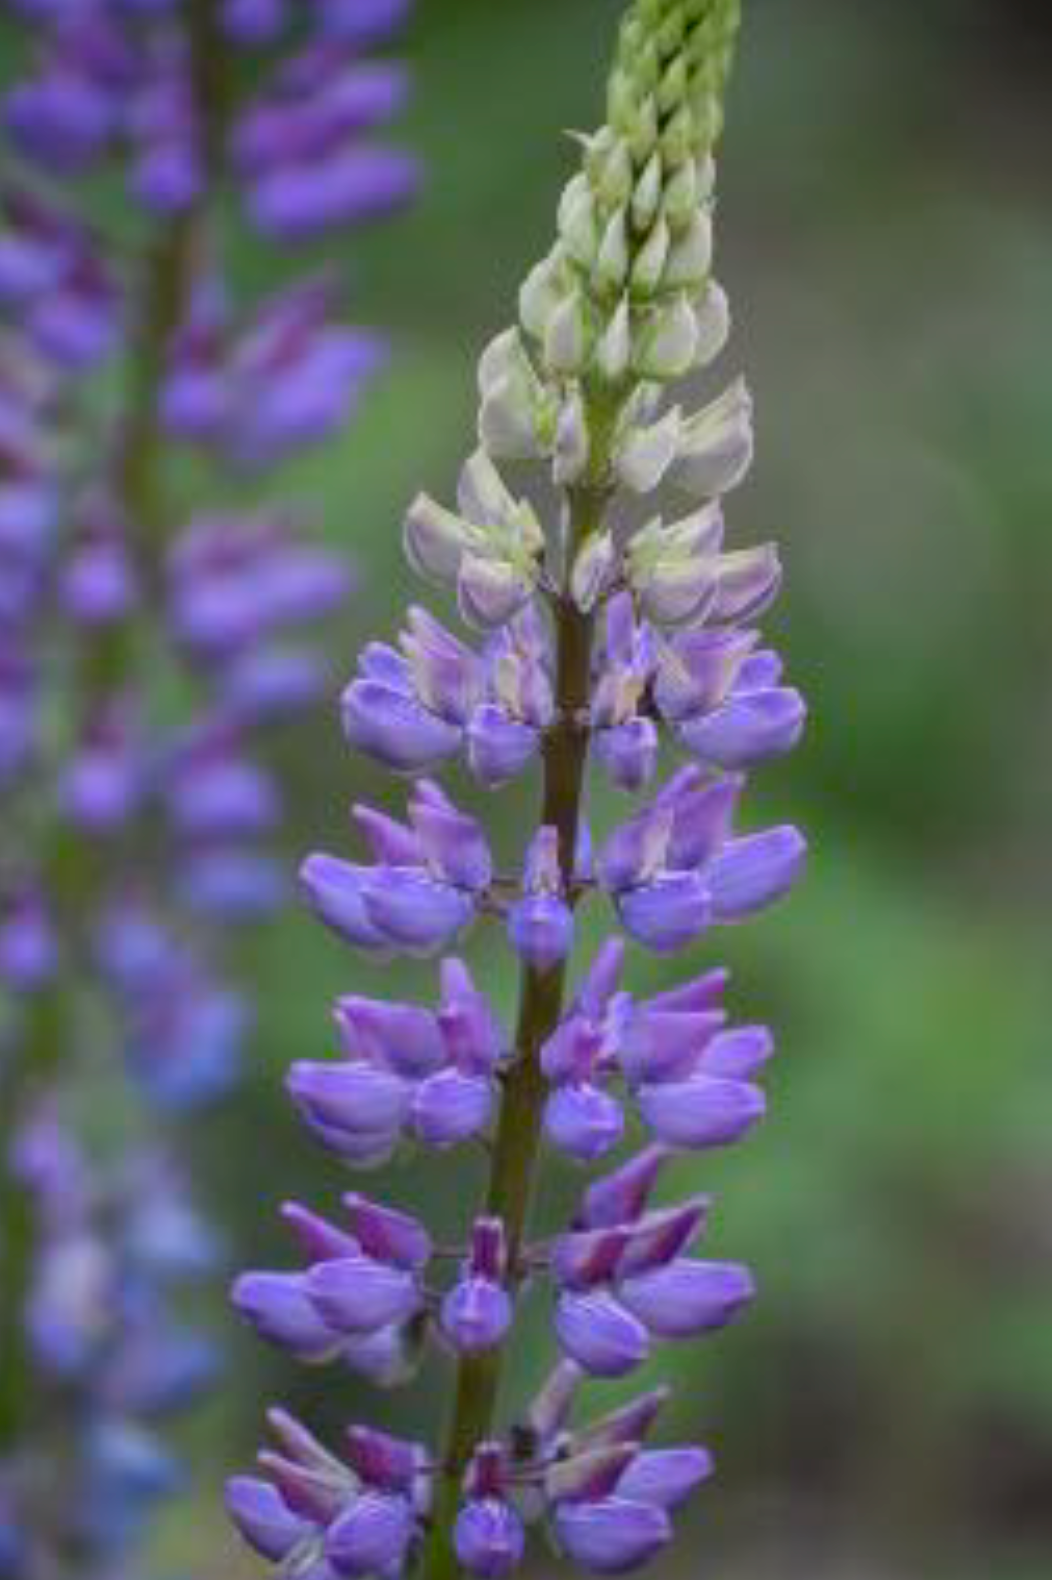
(499, 747)
(371, 1538)
(738, 1054)
(262, 1517)
(489, 1538)
(387, 1234)
(335, 892)
(278, 1308)
(402, 1037)
(600, 1334)
(540, 928)
(621, 1196)
(355, 1097)
(611, 1537)
(358, 1295)
(688, 1297)
(751, 873)
(747, 729)
(450, 1107)
(705, 1111)
(668, 913)
(583, 1121)
(476, 1314)
(665, 1477)
(416, 912)
(395, 729)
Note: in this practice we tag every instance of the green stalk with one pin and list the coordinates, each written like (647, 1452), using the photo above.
(513, 1163)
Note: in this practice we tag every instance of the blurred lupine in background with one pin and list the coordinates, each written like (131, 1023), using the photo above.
(144, 643)
(608, 621)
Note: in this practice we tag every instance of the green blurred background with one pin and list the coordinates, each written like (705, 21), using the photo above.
(886, 236)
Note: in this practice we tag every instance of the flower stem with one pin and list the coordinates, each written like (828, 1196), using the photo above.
(517, 1144)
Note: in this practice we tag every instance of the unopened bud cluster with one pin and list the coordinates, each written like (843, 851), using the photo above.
(592, 643)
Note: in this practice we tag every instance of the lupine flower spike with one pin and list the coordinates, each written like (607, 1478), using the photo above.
(593, 643)
(144, 643)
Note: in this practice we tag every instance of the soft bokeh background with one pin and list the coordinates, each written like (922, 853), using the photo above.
(886, 233)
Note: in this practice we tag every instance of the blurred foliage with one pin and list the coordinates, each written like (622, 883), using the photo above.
(887, 239)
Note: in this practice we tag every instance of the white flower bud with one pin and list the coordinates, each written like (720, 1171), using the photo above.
(577, 222)
(716, 446)
(490, 591)
(650, 261)
(713, 316)
(672, 89)
(571, 442)
(481, 494)
(499, 358)
(679, 138)
(509, 428)
(544, 288)
(674, 571)
(611, 264)
(690, 257)
(566, 337)
(647, 195)
(436, 539)
(665, 346)
(614, 349)
(644, 455)
(643, 132)
(748, 581)
(592, 571)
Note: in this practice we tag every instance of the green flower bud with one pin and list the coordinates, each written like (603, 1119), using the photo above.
(611, 265)
(682, 199)
(690, 257)
(516, 415)
(614, 348)
(577, 222)
(649, 267)
(566, 337)
(544, 288)
(646, 197)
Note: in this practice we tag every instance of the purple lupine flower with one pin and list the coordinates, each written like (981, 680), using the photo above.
(140, 816)
(598, 638)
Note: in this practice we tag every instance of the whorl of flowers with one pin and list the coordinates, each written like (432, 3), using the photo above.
(601, 630)
(145, 641)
